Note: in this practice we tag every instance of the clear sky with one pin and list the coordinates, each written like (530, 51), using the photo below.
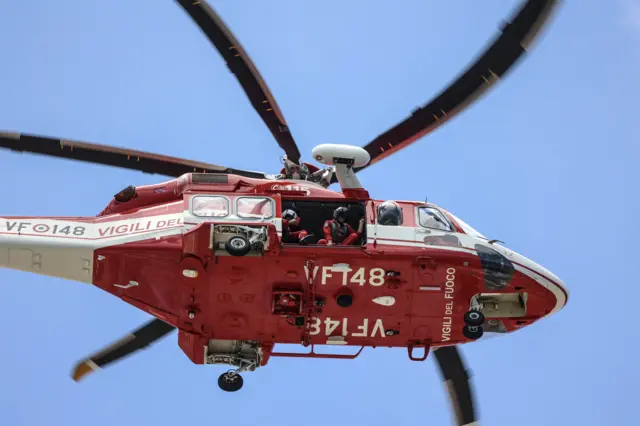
(547, 163)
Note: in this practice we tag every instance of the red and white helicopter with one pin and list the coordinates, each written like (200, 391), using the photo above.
(239, 261)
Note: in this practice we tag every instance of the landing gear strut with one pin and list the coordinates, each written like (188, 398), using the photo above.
(244, 355)
(230, 381)
(473, 320)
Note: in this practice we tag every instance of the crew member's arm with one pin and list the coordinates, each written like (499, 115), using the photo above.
(286, 231)
(360, 228)
(327, 232)
(294, 222)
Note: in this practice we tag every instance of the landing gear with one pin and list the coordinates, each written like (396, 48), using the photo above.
(239, 240)
(244, 355)
(474, 318)
(472, 332)
(238, 246)
(230, 381)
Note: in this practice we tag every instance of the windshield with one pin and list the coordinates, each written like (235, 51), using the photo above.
(468, 229)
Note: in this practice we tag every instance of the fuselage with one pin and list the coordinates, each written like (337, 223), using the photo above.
(167, 249)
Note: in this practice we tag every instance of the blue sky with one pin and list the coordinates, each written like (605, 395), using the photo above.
(547, 163)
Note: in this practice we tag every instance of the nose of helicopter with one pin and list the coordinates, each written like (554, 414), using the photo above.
(556, 290)
(543, 277)
(549, 291)
(555, 285)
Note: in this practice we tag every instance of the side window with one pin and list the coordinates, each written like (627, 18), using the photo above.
(209, 206)
(430, 217)
(255, 207)
(389, 213)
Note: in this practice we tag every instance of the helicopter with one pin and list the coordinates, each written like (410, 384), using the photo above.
(240, 261)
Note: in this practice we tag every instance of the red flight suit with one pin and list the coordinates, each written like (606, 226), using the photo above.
(339, 234)
(291, 232)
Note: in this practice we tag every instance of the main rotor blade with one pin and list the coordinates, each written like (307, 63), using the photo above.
(245, 71)
(111, 156)
(456, 378)
(493, 64)
(139, 339)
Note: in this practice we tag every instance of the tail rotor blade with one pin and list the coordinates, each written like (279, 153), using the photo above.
(138, 340)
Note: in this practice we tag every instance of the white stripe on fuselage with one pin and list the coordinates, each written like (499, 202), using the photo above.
(380, 241)
(400, 237)
(63, 229)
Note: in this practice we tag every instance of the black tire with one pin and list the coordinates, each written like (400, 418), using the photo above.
(473, 333)
(474, 318)
(237, 246)
(230, 382)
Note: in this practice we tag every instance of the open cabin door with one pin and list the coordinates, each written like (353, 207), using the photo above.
(312, 215)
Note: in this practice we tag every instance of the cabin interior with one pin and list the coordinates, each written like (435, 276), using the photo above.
(313, 215)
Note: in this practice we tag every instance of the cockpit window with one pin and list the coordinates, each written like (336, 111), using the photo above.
(390, 214)
(468, 229)
(255, 207)
(430, 217)
(207, 206)
(498, 270)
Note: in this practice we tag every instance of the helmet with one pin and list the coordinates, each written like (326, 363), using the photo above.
(289, 214)
(389, 213)
(340, 213)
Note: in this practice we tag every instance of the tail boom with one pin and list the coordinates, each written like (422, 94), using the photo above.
(65, 247)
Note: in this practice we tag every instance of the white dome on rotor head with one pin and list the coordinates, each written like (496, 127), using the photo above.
(328, 154)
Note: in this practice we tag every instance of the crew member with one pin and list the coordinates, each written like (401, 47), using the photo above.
(389, 214)
(338, 232)
(291, 232)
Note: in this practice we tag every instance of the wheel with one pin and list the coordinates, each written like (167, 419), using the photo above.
(237, 246)
(471, 332)
(473, 318)
(230, 381)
